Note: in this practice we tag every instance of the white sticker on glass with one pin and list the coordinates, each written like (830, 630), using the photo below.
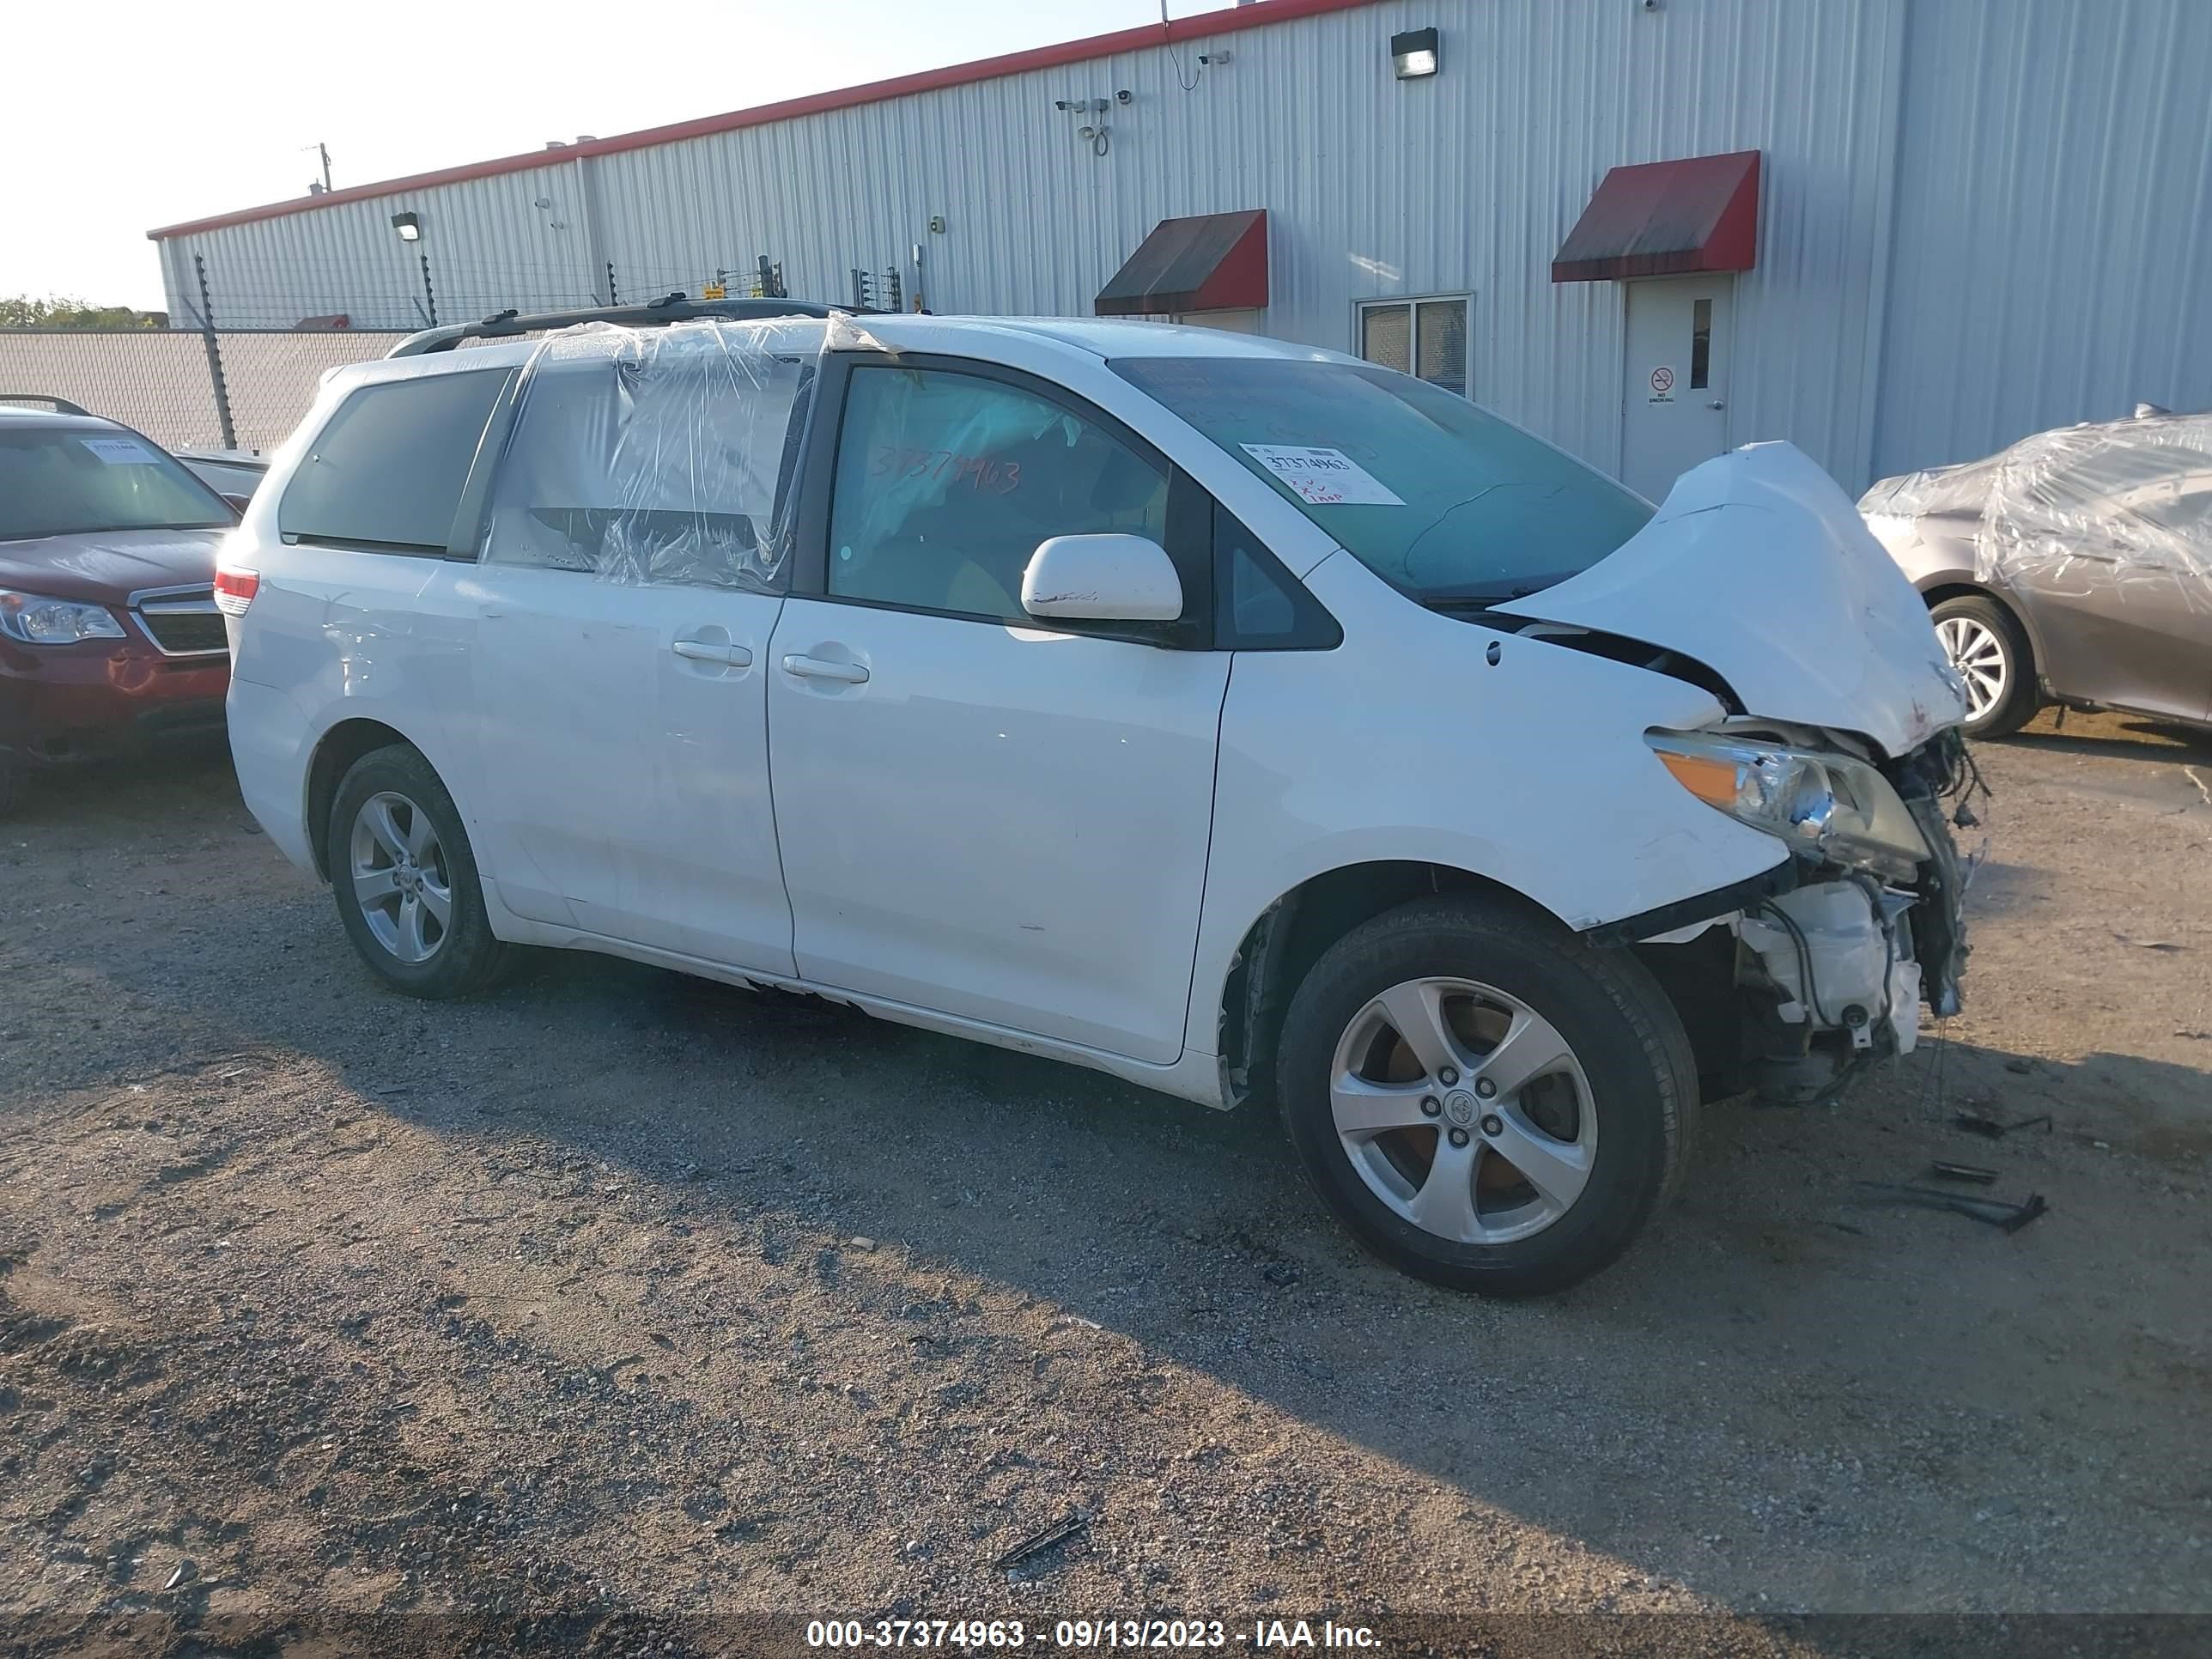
(1326, 477)
(121, 452)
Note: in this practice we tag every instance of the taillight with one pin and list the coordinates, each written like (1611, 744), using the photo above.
(235, 590)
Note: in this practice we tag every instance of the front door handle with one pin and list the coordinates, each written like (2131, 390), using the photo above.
(820, 668)
(729, 656)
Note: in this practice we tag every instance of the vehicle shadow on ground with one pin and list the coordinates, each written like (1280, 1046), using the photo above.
(1779, 1293)
(2124, 737)
(1841, 1337)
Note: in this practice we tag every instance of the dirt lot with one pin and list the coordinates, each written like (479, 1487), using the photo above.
(621, 1296)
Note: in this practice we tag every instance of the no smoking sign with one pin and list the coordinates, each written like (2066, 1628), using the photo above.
(1662, 384)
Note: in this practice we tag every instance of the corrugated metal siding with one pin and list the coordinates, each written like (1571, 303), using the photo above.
(2054, 227)
(1374, 187)
(1466, 183)
(489, 248)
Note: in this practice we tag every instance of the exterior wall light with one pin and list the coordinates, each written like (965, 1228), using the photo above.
(1413, 54)
(411, 228)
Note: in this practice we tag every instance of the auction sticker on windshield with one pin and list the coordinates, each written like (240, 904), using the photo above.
(1325, 478)
(119, 452)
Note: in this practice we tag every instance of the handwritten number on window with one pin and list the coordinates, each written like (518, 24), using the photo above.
(979, 472)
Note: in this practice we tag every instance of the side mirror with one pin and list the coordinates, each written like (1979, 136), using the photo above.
(1109, 578)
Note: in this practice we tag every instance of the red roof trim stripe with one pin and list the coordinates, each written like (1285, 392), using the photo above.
(1145, 37)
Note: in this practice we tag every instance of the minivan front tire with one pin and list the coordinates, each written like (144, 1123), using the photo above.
(1486, 1100)
(405, 878)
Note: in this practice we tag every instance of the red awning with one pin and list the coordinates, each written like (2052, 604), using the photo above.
(1667, 219)
(1209, 262)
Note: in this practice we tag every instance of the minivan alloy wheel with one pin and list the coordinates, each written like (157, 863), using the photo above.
(1981, 661)
(400, 875)
(1464, 1110)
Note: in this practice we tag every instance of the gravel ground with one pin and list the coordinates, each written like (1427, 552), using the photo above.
(621, 1297)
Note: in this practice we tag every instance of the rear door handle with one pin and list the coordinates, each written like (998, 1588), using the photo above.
(730, 656)
(820, 668)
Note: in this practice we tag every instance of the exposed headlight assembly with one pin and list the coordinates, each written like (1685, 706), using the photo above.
(1833, 807)
(36, 620)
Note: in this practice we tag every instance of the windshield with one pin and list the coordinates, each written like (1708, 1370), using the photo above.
(1436, 496)
(63, 481)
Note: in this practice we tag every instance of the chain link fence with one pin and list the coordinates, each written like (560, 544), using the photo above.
(247, 391)
(244, 383)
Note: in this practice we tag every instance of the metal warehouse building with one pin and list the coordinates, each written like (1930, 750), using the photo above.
(1897, 232)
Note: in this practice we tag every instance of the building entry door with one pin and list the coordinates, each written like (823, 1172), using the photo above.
(1674, 394)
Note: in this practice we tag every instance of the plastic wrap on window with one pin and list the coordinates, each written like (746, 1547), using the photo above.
(656, 455)
(2131, 500)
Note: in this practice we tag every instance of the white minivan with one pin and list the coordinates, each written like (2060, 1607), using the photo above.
(1240, 719)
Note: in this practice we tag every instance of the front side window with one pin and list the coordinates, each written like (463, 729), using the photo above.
(69, 480)
(659, 456)
(386, 470)
(947, 482)
(1437, 495)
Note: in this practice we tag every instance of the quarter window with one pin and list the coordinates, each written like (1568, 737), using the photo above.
(1426, 338)
(947, 482)
(1261, 606)
(386, 469)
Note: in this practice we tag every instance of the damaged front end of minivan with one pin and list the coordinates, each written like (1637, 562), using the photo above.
(1842, 740)
(1823, 965)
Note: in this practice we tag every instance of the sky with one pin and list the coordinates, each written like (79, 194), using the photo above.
(148, 115)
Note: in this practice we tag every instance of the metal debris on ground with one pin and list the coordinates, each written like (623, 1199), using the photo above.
(2006, 1217)
(1978, 1123)
(1057, 1534)
(1943, 1170)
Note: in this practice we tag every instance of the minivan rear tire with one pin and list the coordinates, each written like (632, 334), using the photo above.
(1628, 1075)
(462, 957)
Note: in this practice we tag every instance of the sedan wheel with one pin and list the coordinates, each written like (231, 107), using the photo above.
(1464, 1110)
(1980, 657)
(1984, 644)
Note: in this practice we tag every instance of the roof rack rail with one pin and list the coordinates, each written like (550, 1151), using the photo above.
(673, 308)
(59, 405)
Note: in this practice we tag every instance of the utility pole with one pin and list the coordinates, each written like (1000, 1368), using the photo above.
(323, 151)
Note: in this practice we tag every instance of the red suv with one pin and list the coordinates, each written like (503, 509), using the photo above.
(110, 640)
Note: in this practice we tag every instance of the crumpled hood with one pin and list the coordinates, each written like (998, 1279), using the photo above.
(106, 567)
(1758, 566)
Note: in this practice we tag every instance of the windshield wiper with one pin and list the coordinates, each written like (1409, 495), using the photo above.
(1485, 598)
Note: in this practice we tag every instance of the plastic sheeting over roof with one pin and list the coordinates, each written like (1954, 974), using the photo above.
(2134, 496)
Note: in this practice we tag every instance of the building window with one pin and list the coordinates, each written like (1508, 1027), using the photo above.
(1701, 345)
(1424, 337)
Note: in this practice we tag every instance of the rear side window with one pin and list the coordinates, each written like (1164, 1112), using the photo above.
(387, 469)
(660, 456)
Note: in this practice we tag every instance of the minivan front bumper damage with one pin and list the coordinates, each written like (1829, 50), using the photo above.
(1791, 982)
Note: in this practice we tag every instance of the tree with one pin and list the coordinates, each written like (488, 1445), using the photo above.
(22, 311)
